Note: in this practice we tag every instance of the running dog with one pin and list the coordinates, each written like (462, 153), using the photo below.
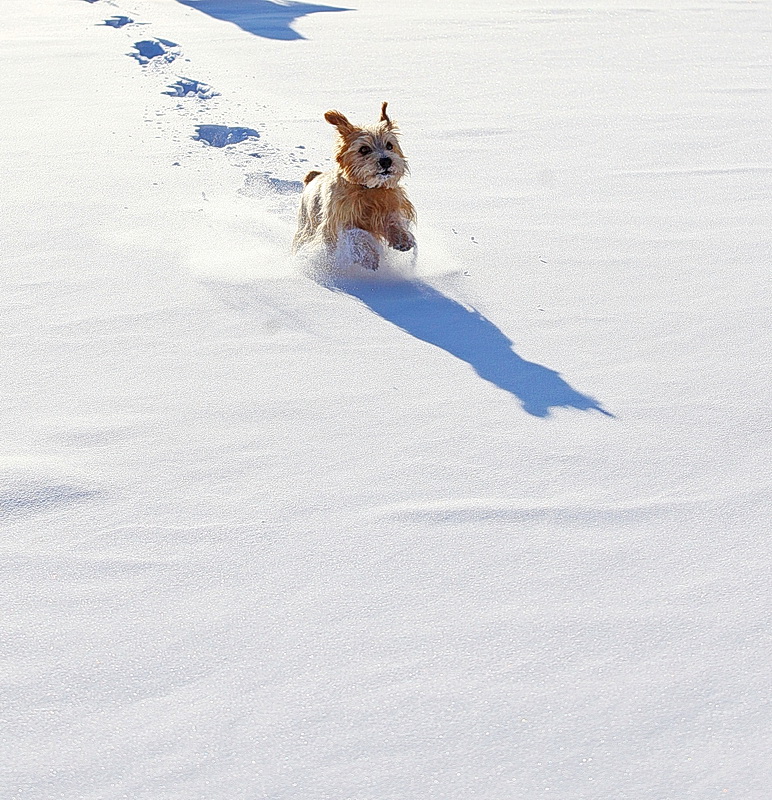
(360, 198)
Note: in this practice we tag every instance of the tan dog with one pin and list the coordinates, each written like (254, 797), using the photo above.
(360, 200)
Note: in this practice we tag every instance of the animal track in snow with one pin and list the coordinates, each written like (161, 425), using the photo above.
(118, 22)
(151, 49)
(285, 187)
(186, 87)
(256, 184)
(222, 135)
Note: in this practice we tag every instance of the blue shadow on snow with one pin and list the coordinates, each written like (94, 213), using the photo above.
(272, 20)
(33, 499)
(222, 135)
(428, 315)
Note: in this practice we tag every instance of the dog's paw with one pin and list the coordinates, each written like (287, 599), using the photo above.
(362, 248)
(369, 260)
(402, 240)
(365, 254)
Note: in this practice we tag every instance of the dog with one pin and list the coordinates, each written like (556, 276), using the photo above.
(359, 201)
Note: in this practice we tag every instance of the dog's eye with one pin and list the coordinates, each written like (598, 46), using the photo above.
(389, 146)
(364, 150)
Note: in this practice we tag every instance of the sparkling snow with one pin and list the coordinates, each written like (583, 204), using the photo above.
(494, 524)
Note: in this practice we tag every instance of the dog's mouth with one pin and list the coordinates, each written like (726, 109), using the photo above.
(381, 178)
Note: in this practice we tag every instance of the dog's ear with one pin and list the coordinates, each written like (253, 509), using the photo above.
(384, 115)
(339, 121)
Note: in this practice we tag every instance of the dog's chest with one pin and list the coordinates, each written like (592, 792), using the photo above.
(370, 209)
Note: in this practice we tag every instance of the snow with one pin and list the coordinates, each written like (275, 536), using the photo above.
(493, 523)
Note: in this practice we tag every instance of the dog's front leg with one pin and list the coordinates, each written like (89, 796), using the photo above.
(398, 235)
(362, 247)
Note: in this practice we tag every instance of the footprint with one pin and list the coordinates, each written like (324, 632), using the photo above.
(151, 49)
(285, 187)
(222, 135)
(258, 183)
(185, 87)
(117, 22)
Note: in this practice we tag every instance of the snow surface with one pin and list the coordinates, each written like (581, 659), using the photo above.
(493, 524)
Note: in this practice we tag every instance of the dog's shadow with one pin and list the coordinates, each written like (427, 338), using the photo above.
(430, 316)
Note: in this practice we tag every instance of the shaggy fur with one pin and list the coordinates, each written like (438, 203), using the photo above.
(360, 198)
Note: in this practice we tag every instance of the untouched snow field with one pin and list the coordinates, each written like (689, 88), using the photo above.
(489, 524)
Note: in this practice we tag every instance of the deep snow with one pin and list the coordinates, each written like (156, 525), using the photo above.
(494, 524)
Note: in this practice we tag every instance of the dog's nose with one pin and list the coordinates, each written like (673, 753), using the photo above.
(384, 163)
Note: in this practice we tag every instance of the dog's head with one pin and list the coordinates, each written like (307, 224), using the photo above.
(370, 156)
